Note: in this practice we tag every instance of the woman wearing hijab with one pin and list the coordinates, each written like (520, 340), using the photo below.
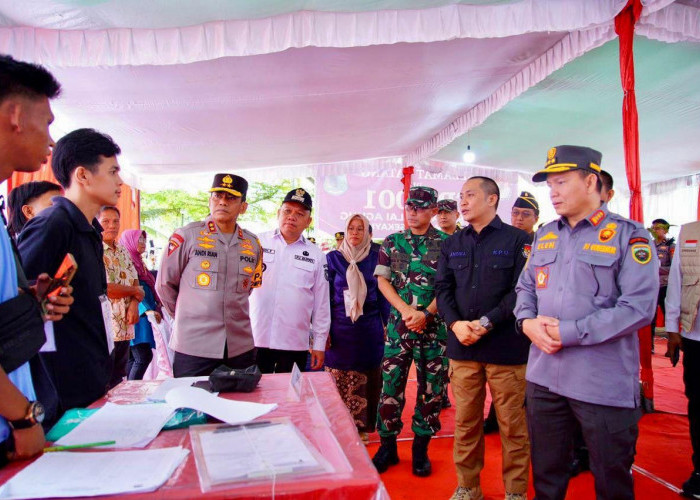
(140, 353)
(358, 315)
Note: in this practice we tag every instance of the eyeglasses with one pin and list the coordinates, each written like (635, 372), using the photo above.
(415, 209)
(523, 213)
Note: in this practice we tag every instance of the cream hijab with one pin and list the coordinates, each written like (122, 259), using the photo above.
(353, 254)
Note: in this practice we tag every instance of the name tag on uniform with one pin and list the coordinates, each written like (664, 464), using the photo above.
(107, 319)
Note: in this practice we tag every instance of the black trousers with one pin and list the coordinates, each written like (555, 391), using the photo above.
(691, 378)
(120, 355)
(140, 356)
(660, 302)
(185, 365)
(280, 361)
(610, 434)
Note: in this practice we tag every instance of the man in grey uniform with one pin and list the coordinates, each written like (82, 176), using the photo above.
(206, 275)
(589, 285)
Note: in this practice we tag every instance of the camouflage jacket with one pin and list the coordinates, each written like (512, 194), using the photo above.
(409, 262)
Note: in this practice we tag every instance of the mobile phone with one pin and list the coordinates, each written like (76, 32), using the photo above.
(62, 278)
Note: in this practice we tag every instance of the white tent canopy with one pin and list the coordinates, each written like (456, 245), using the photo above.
(278, 87)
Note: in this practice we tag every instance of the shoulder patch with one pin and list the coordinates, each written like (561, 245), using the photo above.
(527, 250)
(174, 243)
(641, 253)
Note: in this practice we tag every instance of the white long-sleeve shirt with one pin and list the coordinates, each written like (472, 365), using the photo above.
(293, 298)
(673, 302)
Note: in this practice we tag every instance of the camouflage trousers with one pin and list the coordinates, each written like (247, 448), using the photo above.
(431, 368)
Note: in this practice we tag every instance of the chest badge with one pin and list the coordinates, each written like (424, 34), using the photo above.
(203, 279)
(206, 264)
(607, 233)
(542, 276)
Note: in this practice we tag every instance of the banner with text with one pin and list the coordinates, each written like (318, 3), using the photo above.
(379, 196)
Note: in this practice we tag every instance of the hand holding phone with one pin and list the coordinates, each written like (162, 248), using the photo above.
(49, 290)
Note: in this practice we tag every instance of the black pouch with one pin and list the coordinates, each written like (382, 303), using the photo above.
(21, 331)
(225, 379)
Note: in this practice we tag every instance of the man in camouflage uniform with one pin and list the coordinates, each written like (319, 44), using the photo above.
(405, 272)
(448, 214)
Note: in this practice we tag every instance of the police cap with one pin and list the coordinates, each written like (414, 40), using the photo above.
(566, 158)
(229, 183)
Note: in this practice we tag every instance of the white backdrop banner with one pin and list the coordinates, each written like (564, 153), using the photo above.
(379, 196)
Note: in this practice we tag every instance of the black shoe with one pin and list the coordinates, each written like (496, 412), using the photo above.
(446, 402)
(579, 464)
(386, 455)
(421, 462)
(691, 488)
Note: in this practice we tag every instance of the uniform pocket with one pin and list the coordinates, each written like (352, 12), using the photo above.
(460, 268)
(543, 258)
(204, 281)
(601, 268)
(303, 273)
(210, 265)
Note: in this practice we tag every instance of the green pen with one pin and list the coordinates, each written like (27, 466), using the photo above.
(78, 446)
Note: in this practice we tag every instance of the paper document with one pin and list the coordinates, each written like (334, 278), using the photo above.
(231, 412)
(258, 451)
(171, 383)
(66, 474)
(131, 426)
(267, 450)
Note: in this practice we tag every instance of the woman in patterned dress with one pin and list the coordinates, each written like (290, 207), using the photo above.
(358, 315)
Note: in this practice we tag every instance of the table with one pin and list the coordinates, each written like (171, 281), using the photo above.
(360, 481)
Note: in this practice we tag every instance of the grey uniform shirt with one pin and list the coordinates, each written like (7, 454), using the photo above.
(204, 282)
(600, 279)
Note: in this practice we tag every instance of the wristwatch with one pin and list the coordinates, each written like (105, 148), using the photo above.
(519, 325)
(428, 315)
(485, 322)
(35, 415)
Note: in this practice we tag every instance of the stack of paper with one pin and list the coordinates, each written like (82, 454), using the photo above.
(66, 474)
(131, 426)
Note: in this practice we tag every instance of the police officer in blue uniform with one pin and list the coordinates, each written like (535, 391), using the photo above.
(590, 283)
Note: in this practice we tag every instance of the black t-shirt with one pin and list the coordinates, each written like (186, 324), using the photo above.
(81, 366)
(476, 276)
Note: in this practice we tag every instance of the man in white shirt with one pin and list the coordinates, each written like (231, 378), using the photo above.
(682, 306)
(293, 299)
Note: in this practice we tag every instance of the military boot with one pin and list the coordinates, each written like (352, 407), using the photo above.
(386, 455)
(421, 462)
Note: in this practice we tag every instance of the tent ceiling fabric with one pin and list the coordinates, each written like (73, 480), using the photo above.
(312, 105)
(104, 45)
(158, 14)
(581, 104)
(278, 86)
